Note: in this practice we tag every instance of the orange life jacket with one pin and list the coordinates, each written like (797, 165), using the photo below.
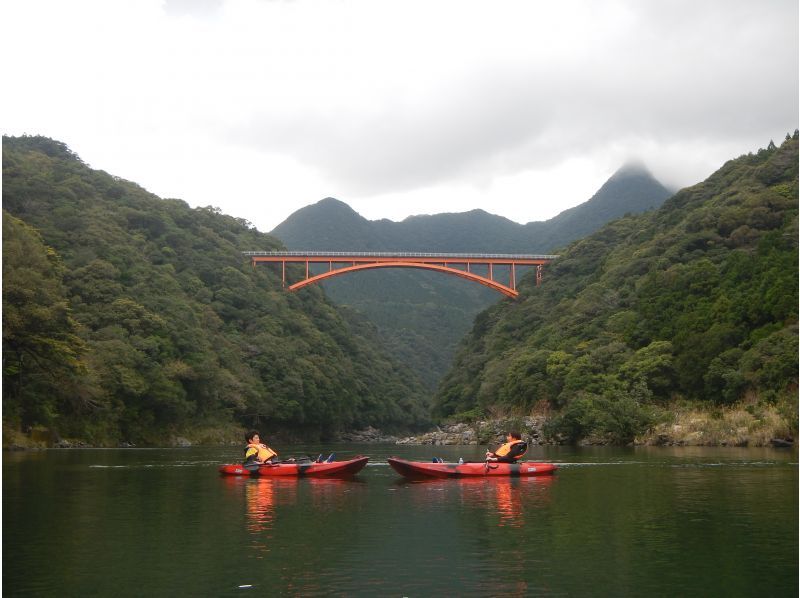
(262, 451)
(506, 448)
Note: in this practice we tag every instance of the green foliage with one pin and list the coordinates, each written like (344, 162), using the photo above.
(144, 317)
(696, 301)
(617, 419)
(470, 416)
(42, 352)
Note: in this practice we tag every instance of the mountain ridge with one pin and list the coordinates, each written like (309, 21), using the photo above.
(632, 168)
(306, 223)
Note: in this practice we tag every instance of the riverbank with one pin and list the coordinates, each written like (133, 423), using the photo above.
(687, 425)
(41, 437)
(742, 425)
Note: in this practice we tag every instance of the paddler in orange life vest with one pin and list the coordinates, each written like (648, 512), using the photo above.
(512, 450)
(255, 451)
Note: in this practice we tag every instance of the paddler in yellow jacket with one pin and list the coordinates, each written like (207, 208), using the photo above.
(255, 451)
(511, 451)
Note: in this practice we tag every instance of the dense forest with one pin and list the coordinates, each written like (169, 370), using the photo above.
(127, 317)
(421, 316)
(696, 301)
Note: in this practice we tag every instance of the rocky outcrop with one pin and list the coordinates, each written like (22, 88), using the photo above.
(481, 432)
(368, 434)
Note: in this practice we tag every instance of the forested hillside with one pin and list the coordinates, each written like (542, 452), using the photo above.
(422, 316)
(130, 317)
(696, 301)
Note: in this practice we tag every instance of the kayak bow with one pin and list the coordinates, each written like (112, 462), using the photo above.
(335, 468)
(416, 469)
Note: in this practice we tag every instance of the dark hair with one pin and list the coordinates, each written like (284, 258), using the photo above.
(249, 436)
(515, 435)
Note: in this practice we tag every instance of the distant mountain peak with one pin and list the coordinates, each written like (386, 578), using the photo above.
(330, 206)
(332, 202)
(631, 189)
(633, 166)
(328, 225)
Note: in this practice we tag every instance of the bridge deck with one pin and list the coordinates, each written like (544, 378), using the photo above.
(348, 256)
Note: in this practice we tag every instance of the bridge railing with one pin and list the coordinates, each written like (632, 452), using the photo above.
(510, 256)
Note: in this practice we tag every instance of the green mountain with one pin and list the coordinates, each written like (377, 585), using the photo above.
(130, 317)
(630, 190)
(422, 316)
(332, 225)
(697, 300)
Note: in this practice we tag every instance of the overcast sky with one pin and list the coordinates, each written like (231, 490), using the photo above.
(523, 109)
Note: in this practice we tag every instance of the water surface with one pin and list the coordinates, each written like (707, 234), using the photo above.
(623, 522)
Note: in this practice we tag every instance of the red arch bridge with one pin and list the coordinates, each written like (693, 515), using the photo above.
(477, 267)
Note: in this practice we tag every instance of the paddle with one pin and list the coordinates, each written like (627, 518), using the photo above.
(287, 461)
(290, 460)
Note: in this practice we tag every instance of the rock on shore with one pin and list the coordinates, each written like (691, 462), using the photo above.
(481, 432)
(368, 434)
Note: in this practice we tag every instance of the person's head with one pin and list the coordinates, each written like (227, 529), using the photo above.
(252, 436)
(514, 435)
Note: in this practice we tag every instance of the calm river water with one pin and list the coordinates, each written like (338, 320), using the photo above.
(611, 522)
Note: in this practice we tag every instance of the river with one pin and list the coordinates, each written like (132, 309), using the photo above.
(611, 522)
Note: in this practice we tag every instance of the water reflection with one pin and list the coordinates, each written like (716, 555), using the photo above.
(504, 497)
(509, 506)
(509, 497)
(265, 499)
(260, 496)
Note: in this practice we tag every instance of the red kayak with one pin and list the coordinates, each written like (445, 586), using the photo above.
(310, 468)
(416, 469)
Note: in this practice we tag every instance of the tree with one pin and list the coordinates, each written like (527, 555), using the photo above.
(41, 349)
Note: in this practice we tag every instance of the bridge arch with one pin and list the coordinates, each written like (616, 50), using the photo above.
(492, 284)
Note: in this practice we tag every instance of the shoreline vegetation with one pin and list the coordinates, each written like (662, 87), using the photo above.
(742, 425)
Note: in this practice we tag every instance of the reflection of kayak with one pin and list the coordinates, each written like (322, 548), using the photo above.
(311, 468)
(455, 470)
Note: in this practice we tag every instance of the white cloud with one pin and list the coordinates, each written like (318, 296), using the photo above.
(522, 108)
